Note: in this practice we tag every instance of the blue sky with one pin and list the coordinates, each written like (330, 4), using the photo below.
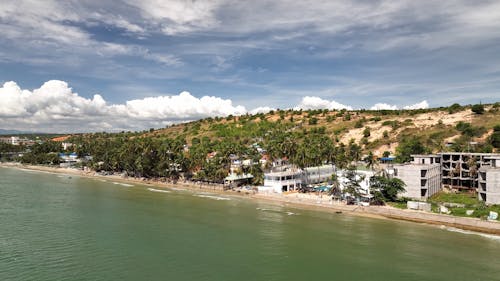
(254, 54)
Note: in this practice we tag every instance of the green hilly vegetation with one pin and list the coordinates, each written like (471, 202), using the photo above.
(204, 149)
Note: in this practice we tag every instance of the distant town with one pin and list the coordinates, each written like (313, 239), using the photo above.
(287, 152)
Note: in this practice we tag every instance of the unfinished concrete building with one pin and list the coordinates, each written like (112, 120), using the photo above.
(489, 181)
(422, 176)
(460, 169)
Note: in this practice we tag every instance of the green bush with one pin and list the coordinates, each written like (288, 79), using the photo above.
(478, 108)
(454, 108)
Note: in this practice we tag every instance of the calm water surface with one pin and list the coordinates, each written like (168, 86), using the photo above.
(53, 227)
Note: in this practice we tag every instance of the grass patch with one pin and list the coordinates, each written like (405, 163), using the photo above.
(400, 204)
(468, 199)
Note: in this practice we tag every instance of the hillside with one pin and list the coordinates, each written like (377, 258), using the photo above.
(207, 149)
(451, 128)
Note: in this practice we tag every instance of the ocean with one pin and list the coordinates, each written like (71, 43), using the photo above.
(61, 227)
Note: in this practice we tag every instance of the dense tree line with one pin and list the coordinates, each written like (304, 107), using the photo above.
(203, 149)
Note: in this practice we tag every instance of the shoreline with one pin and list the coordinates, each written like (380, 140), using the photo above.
(295, 200)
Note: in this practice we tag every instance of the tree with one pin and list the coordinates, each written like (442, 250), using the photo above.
(407, 147)
(353, 181)
(473, 169)
(478, 108)
(353, 151)
(454, 108)
(335, 191)
(366, 132)
(389, 188)
(370, 160)
(495, 137)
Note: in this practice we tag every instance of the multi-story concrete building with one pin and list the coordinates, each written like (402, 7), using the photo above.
(489, 181)
(460, 169)
(422, 176)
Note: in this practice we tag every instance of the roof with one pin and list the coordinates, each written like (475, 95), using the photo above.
(493, 157)
(387, 158)
(234, 177)
(424, 155)
(468, 153)
(285, 173)
(60, 139)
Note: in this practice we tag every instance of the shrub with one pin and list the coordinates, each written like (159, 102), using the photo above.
(358, 124)
(454, 108)
(495, 137)
(478, 108)
(366, 132)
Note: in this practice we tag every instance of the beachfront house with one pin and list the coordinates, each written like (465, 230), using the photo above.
(362, 176)
(288, 179)
(285, 178)
(68, 160)
(234, 180)
(318, 174)
(236, 175)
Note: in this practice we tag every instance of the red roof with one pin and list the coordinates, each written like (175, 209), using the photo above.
(60, 139)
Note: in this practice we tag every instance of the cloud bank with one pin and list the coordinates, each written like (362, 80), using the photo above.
(55, 107)
(309, 102)
(384, 106)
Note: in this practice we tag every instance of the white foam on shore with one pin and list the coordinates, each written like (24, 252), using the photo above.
(212, 197)
(277, 211)
(123, 184)
(158, 190)
(467, 232)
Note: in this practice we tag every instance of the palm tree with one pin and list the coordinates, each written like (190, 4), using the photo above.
(370, 160)
(473, 169)
(456, 172)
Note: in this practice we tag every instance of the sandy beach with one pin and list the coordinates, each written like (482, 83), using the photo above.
(295, 200)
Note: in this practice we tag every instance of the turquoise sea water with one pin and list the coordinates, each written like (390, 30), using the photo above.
(53, 227)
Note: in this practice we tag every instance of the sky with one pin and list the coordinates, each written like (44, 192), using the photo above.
(91, 65)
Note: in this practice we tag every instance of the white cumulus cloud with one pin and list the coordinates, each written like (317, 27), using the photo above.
(421, 105)
(383, 106)
(261, 109)
(54, 107)
(309, 102)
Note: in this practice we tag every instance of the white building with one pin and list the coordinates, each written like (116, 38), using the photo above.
(489, 181)
(422, 176)
(68, 160)
(288, 179)
(14, 140)
(319, 174)
(363, 176)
